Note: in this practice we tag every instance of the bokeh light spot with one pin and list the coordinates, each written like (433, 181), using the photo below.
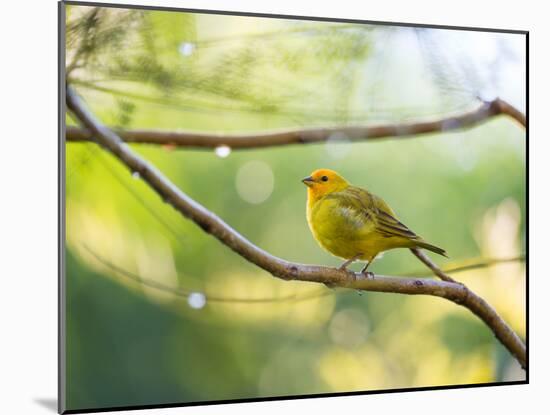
(196, 300)
(255, 181)
(222, 151)
(349, 328)
(187, 48)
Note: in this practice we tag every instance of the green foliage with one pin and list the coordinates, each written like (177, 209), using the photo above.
(146, 49)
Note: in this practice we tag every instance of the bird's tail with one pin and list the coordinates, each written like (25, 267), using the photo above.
(432, 248)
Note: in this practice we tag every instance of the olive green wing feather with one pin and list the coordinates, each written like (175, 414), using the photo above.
(389, 225)
(351, 207)
(375, 210)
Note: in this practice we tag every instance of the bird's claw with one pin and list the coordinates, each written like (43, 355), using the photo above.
(368, 274)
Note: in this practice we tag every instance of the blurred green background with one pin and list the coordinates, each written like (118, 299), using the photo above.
(234, 331)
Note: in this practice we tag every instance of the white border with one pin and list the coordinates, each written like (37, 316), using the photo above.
(28, 231)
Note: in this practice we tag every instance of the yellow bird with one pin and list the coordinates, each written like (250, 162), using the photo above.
(352, 223)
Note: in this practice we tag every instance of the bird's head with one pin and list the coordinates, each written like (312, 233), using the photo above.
(324, 181)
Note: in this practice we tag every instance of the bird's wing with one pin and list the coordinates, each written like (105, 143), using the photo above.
(351, 207)
(380, 213)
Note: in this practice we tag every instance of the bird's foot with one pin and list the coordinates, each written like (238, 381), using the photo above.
(344, 266)
(368, 274)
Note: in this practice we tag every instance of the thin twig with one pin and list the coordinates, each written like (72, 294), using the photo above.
(202, 140)
(481, 263)
(278, 267)
(431, 265)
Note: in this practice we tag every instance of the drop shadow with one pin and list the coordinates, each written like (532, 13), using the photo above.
(48, 403)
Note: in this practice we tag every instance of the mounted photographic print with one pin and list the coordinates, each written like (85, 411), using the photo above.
(271, 207)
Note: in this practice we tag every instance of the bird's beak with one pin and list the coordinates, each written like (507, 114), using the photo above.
(308, 181)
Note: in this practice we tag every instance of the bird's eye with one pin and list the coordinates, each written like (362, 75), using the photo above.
(324, 178)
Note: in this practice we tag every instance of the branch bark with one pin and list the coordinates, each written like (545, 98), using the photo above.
(191, 139)
(215, 226)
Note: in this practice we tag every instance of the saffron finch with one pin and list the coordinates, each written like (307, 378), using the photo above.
(352, 223)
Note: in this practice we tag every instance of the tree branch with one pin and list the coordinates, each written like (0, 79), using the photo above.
(431, 265)
(506, 108)
(278, 267)
(469, 119)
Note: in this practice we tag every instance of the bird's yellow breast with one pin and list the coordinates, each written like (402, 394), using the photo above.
(343, 232)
